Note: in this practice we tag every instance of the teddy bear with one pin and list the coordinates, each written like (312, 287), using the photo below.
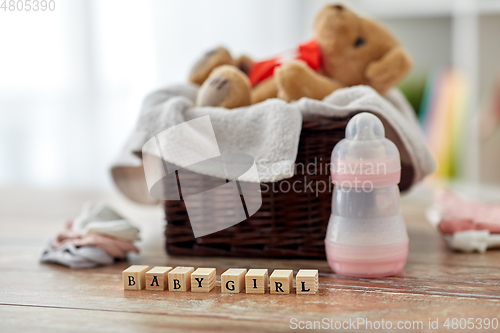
(346, 50)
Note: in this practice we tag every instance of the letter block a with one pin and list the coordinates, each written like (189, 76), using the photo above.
(179, 279)
(134, 277)
(232, 281)
(157, 277)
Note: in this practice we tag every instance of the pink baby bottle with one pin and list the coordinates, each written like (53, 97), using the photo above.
(366, 234)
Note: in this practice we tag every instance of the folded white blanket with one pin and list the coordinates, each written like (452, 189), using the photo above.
(268, 131)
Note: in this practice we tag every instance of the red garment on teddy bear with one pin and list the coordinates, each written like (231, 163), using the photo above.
(308, 52)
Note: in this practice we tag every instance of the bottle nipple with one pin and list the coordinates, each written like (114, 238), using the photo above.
(365, 127)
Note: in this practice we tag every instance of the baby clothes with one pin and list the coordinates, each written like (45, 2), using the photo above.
(98, 236)
(460, 214)
(75, 257)
(115, 247)
(465, 224)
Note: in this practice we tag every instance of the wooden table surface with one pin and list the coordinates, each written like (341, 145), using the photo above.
(436, 283)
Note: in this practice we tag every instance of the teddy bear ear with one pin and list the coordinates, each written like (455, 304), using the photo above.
(388, 70)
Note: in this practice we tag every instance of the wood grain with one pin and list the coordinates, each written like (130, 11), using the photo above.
(436, 282)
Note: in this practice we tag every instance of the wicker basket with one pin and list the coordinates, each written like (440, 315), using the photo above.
(289, 224)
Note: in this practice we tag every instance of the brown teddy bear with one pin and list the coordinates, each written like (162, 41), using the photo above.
(347, 50)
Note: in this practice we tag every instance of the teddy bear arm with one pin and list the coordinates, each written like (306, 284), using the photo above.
(296, 80)
(208, 62)
(264, 90)
(322, 86)
(389, 70)
(244, 63)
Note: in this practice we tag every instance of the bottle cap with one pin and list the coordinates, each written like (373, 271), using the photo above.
(365, 156)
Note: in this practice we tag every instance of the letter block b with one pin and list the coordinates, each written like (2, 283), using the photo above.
(179, 279)
(232, 281)
(134, 277)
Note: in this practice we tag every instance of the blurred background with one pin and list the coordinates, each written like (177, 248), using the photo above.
(72, 79)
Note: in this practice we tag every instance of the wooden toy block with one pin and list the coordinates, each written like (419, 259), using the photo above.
(306, 281)
(179, 279)
(203, 280)
(134, 277)
(256, 281)
(233, 280)
(281, 281)
(157, 277)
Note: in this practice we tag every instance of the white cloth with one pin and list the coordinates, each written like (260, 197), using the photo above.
(75, 257)
(101, 219)
(473, 240)
(267, 131)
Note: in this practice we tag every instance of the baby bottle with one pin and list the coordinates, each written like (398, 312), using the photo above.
(366, 234)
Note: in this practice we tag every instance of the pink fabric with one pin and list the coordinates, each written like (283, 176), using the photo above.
(117, 248)
(459, 214)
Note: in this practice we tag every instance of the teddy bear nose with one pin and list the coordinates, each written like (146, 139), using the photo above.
(338, 7)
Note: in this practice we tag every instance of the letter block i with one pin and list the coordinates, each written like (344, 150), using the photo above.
(179, 279)
(134, 277)
(256, 281)
(232, 281)
(281, 281)
(156, 278)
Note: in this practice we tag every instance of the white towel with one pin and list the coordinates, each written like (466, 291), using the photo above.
(267, 131)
